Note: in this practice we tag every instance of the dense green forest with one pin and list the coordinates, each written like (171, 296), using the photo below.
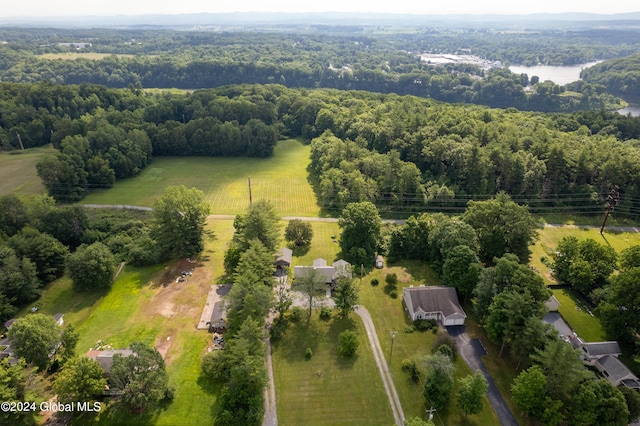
(620, 76)
(401, 152)
(368, 61)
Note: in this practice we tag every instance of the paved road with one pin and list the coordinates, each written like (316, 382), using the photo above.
(472, 351)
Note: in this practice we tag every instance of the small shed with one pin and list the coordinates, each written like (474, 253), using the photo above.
(379, 262)
(285, 258)
(59, 320)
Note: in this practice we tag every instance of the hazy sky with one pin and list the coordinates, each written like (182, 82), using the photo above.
(136, 7)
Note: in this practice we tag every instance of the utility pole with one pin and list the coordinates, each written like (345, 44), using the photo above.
(250, 199)
(20, 140)
(393, 337)
(430, 411)
(612, 200)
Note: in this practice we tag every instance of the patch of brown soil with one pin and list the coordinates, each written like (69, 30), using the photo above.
(163, 345)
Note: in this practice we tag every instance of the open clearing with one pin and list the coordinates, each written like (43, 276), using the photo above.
(140, 307)
(70, 56)
(327, 389)
(18, 171)
(282, 179)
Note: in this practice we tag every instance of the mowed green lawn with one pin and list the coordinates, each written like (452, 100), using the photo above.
(282, 179)
(388, 315)
(18, 171)
(549, 238)
(327, 389)
(139, 308)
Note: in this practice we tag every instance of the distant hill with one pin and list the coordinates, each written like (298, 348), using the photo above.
(260, 20)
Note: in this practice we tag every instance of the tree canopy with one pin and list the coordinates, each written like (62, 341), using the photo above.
(361, 226)
(35, 338)
(180, 216)
(91, 267)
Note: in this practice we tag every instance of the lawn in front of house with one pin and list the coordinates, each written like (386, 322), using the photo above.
(327, 389)
(388, 315)
(281, 178)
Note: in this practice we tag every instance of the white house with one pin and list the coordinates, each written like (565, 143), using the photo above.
(434, 302)
(604, 357)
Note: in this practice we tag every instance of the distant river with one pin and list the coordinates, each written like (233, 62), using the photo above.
(566, 74)
(558, 74)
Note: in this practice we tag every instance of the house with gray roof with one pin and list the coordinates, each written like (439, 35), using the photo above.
(604, 357)
(338, 269)
(105, 358)
(284, 259)
(433, 302)
(218, 317)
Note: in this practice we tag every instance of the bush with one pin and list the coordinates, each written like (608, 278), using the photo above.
(325, 313)
(422, 324)
(348, 343)
(393, 294)
(391, 280)
(409, 329)
(296, 313)
(407, 364)
(374, 282)
(434, 330)
(444, 350)
(277, 329)
(445, 339)
(308, 354)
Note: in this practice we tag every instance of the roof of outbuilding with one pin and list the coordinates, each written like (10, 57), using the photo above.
(286, 256)
(615, 368)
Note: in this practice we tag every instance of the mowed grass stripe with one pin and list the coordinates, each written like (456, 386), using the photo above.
(327, 389)
(282, 179)
(18, 173)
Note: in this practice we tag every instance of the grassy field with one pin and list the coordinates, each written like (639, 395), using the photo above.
(18, 171)
(388, 315)
(224, 181)
(327, 389)
(139, 307)
(549, 238)
(70, 56)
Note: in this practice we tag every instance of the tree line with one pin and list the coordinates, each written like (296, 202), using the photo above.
(371, 62)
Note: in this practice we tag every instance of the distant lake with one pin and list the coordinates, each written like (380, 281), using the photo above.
(558, 74)
(633, 109)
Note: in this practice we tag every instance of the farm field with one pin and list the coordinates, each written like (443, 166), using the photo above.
(327, 389)
(18, 171)
(224, 181)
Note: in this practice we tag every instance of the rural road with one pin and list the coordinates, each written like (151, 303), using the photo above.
(334, 219)
(472, 351)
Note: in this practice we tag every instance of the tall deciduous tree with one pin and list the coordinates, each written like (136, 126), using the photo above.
(471, 392)
(585, 265)
(346, 295)
(502, 226)
(91, 267)
(620, 311)
(180, 216)
(361, 227)
(47, 253)
(19, 384)
(141, 377)
(81, 379)
(461, 269)
(438, 380)
(309, 283)
(13, 215)
(528, 391)
(35, 338)
(299, 234)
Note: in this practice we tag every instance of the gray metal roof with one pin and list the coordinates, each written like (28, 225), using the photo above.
(433, 299)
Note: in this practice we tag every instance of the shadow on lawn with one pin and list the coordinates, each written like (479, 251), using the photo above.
(211, 387)
(338, 325)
